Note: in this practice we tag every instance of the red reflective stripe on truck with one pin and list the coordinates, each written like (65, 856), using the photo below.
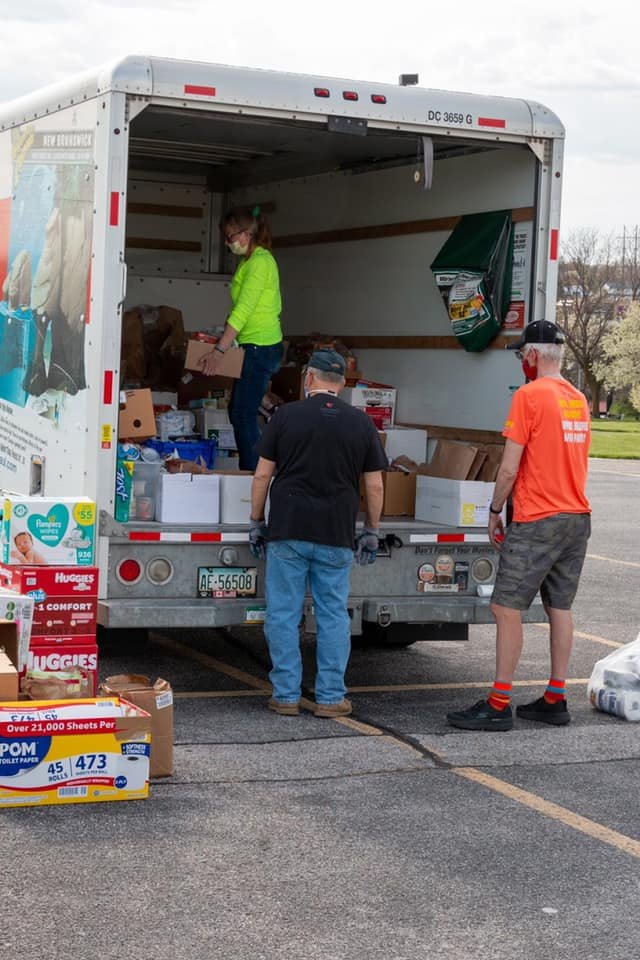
(114, 209)
(199, 91)
(449, 538)
(553, 247)
(184, 537)
(491, 122)
(107, 389)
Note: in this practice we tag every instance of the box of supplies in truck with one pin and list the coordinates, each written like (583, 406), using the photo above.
(112, 188)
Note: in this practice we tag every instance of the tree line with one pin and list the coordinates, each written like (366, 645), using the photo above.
(599, 310)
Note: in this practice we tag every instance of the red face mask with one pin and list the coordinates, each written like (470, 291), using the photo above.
(530, 370)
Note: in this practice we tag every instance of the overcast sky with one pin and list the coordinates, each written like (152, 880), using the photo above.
(578, 58)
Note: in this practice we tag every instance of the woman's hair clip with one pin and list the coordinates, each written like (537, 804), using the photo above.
(256, 211)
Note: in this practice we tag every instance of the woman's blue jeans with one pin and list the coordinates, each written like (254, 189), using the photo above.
(290, 564)
(260, 363)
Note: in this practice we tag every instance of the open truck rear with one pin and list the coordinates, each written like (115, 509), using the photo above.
(147, 154)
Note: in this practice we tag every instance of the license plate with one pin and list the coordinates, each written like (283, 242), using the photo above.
(221, 582)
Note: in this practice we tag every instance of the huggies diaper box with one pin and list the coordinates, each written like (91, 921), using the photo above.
(39, 530)
(73, 751)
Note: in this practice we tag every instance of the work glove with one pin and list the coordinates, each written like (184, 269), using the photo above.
(258, 539)
(366, 547)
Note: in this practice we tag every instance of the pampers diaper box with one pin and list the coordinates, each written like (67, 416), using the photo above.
(39, 530)
(73, 751)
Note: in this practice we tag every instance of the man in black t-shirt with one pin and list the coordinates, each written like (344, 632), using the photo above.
(318, 448)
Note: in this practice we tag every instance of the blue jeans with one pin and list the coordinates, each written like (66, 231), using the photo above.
(260, 363)
(290, 563)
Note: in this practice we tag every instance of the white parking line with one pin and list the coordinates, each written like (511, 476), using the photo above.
(624, 563)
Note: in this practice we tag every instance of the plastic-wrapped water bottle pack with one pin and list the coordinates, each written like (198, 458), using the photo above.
(614, 686)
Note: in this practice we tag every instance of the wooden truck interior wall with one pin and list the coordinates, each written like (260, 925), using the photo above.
(346, 266)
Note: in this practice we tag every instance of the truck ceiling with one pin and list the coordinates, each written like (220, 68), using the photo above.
(234, 151)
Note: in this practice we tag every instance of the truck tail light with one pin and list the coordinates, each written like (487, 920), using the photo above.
(349, 95)
(482, 570)
(321, 92)
(129, 571)
(159, 570)
(378, 98)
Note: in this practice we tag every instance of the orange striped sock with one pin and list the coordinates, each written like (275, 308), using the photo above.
(500, 695)
(555, 691)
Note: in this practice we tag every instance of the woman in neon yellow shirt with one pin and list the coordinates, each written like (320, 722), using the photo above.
(254, 321)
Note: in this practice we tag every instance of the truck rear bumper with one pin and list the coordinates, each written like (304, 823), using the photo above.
(441, 610)
(121, 614)
(169, 614)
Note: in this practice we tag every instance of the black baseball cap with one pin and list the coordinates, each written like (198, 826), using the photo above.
(540, 331)
(329, 361)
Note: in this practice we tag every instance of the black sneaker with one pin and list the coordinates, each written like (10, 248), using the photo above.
(481, 716)
(545, 712)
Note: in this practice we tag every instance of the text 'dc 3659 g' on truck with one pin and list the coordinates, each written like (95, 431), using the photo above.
(363, 183)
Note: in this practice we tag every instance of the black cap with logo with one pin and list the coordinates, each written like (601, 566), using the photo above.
(540, 331)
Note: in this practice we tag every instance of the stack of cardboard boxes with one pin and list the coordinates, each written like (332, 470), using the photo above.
(191, 495)
(454, 488)
(49, 585)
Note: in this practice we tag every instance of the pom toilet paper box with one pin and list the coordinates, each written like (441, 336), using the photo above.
(39, 530)
(73, 751)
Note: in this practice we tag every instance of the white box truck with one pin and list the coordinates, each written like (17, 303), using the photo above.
(111, 190)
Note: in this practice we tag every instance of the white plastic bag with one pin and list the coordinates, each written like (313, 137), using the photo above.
(614, 686)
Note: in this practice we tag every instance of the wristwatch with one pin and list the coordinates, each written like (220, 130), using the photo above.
(491, 510)
(219, 349)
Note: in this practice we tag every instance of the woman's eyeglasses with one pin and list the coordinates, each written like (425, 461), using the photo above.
(228, 237)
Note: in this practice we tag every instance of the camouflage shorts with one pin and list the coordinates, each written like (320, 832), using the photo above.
(545, 555)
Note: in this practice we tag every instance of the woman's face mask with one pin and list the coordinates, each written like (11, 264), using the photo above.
(238, 248)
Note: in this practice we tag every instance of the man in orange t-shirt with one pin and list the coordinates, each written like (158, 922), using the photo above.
(548, 431)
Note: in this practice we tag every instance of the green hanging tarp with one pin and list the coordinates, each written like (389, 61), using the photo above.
(473, 273)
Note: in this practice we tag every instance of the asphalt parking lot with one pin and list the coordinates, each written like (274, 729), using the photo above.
(386, 836)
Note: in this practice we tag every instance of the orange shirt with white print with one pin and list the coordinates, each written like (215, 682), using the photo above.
(550, 419)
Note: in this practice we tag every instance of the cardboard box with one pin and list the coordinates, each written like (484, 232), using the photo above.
(18, 610)
(8, 678)
(63, 617)
(188, 498)
(408, 442)
(66, 653)
(137, 417)
(215, 424)
(379, 403)
(458, 503)
(132, 359)
(230, 363)
(399, 494)
(39, 583)
(451, 460)
(9, 651)
(45, 531)
(73, 751)
(288, 384)
(235, 495)
(157, 700)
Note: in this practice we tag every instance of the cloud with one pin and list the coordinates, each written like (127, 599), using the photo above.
(580, 63)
